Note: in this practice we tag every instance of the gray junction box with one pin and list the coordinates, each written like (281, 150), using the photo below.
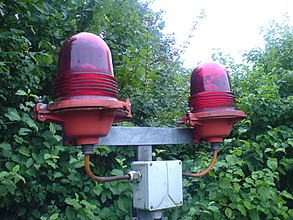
(160, 186)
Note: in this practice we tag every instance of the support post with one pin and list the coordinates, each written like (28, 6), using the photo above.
(144, 153)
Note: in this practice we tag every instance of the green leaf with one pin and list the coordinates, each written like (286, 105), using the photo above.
(9, 165)
(121, 205)
(143, 52)
(24, 151)
(52, 128)
(272, 163)
(47, 156)
(57, 175)
(242, 130)
(287, 195)
(103, 198)
(241, 208)
(16, 31)
(281, 150)
(73, 202)
(36, 213)
(52, 164)
(24, 131)
(21, 93)
(117, 172)
(98, 190)
(254, 215)
(54, 216)
(31, 172)
(29, 162)
(58, 138)
(247, 204)
(70, 213)
(15, 169)
(21, 211)
(18, 139)
(79, 164)
(3, 175)
(50, 156)
(18, 177)
(237, 152)
(224, 183)
(13, 115)
(5, 146)
(6, 149)
(30, 122)
(73, 177)
(88, 205)
(231, 159)
(213, 208)
(264, 192)
(249, 180)
(228, 212)
(268, 150)
(107, 149)
(10, 186)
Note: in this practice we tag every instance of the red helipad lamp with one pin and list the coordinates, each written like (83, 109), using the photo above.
(212, 104)
(85, 96)
(212, 108)
(85, 92)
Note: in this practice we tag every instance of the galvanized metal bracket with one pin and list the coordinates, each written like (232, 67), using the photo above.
(147, 136)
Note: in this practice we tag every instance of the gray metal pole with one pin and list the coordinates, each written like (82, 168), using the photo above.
(144, 153)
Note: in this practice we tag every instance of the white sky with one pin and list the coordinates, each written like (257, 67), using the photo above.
(231, 25)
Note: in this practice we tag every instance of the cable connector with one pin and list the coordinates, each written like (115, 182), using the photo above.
(87, 149)
(215, 146)
(134, 176)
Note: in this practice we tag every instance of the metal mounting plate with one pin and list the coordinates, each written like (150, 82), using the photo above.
(126, 136)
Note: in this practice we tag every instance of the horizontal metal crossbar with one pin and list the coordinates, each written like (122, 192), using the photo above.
(119, 136)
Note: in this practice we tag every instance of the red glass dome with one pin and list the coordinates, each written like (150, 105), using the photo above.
(85, 69)
(210, 88)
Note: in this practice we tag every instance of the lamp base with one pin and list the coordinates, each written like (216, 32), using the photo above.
(212, 126)
(83, 121)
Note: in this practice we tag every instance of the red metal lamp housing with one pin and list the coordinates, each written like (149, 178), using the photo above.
(212, 104)
(85, 92)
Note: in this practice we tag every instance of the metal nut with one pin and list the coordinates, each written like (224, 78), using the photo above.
(134, 176)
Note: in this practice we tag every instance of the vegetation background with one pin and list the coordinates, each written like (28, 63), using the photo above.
(41, 179)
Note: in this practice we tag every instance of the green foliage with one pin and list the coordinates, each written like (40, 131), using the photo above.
(245, 182)
(41, 179)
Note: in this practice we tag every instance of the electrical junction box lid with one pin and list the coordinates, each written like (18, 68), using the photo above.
(160, 186)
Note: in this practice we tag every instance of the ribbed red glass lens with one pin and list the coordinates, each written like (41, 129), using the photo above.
(210, 88)
(85, 69)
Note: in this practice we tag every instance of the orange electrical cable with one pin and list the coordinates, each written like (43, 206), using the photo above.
(207, 170)
(98, 178)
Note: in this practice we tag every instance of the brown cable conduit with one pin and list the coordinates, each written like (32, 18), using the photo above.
(207, 170)
(127, 177)
(98, 178)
